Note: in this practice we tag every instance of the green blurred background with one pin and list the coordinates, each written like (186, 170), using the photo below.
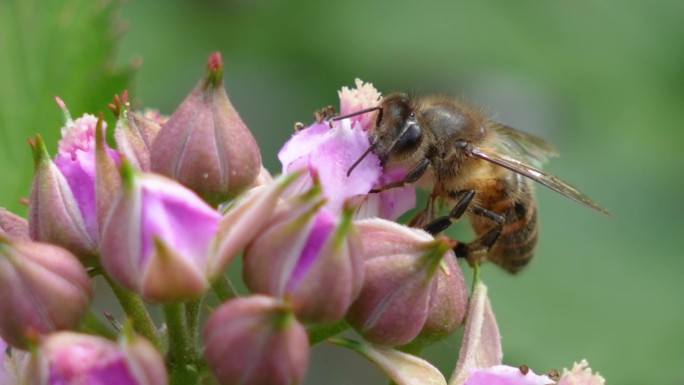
(603, 80)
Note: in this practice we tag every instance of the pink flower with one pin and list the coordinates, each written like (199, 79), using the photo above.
(327, 153)
(69, 358)
(76, 160)
(157, 238)
(506, 375)
(62, 204)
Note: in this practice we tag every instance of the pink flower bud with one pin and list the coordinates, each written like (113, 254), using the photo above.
(255, 340)
(506, 375)
(157, 238)
(581, 374)
(55, 214)
(302, 251)
(44, 288)
(245, 219)
(134, 135)
(205, 145)
(62, 203)
(68, 358)
(448, 304)
(13, 226)
(401, 266)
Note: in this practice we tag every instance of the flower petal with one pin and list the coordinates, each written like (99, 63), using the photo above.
(481, 346)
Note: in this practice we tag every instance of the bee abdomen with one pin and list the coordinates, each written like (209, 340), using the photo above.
(516, 244)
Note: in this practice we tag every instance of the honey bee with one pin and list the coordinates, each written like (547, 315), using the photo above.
(483, 167)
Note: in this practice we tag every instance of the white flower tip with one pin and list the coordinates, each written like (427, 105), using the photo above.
(581, 374)
(67, 115)
(60, 102)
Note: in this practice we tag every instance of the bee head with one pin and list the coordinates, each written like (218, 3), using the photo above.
(397, 133)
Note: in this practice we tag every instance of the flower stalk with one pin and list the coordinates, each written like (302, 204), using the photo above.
(136, 311)
(182, 354)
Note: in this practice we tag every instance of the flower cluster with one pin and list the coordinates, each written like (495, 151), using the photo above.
(163, 211)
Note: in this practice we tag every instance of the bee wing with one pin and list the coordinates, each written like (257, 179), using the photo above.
(548, 180)
(522, 145)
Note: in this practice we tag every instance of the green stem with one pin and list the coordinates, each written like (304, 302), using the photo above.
(182, 358)
(135, 309)
(323, 332)
(223, 288)
(93, 324)
(192, 312)
(476, 276)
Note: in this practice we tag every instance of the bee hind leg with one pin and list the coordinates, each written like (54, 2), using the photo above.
(476, 251)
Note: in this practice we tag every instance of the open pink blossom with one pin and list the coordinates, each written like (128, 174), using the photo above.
(76, 160)
(157, 238)
(69, 358)
(329, 153)
(327, 150)
(63, 208)
(506, 375)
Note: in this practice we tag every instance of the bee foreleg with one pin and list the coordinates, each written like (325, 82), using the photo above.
(476, 250)
(410, 178)
(442, 223)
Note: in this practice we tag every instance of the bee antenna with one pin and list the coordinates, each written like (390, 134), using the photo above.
(359, 112)
(361, 158)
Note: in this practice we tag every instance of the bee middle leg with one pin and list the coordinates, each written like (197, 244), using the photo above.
(476, 251)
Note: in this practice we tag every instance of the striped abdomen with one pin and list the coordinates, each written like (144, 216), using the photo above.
(515, 246)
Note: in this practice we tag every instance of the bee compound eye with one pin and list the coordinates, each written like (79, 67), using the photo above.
(409, 138)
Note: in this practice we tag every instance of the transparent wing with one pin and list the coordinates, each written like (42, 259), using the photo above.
(521, 145)
(537, 175)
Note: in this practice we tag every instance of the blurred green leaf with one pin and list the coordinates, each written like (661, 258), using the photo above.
(49, 48)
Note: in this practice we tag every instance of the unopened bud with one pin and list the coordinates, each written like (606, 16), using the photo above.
(205, 145)
(44, 288)
(12, 225)
(400, 279)
(305, 249)
(256, 340)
